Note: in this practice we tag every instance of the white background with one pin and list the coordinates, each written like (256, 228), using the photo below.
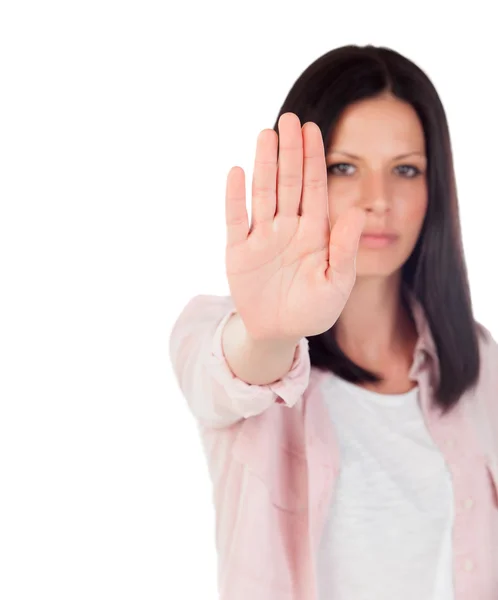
(119, 122)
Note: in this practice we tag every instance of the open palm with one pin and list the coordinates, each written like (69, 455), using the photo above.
(289, 275)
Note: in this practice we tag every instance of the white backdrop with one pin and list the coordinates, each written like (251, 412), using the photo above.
(119, 122)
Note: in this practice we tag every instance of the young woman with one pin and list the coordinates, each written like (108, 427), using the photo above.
(346, 397)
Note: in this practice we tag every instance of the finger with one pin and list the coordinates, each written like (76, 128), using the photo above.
(314, 197)
(264, 199)
(236, 218)
(344, 241)
(290, 165)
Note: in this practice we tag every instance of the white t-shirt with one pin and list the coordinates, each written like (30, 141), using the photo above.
(388, 530)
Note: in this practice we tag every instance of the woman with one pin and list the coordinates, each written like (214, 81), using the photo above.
(346, 397)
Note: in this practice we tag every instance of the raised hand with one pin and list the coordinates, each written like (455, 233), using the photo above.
(289, 275)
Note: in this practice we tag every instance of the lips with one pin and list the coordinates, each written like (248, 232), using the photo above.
(380, 236)
(376, 240)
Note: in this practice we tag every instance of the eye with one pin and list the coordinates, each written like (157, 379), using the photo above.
(414, 170)
(409, 171)
(330, 168)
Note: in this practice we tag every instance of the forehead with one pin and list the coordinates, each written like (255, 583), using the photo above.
(378, 123)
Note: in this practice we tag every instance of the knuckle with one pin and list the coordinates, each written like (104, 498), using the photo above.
(236, 221)
(264, 163)
(262, 190)
(289, 179)
(314, 183)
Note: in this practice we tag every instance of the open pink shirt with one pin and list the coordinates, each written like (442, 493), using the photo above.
(273, 459)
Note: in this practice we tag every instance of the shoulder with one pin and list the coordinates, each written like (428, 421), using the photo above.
(486, 393)
(488, 349)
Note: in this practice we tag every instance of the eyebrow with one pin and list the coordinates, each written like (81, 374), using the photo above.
(395, 158)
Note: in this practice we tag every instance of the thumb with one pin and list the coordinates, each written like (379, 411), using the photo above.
(344, 240)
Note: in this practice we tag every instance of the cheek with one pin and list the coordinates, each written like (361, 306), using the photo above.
(412, 215)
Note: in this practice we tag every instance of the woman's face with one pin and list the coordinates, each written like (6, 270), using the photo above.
(391, 190)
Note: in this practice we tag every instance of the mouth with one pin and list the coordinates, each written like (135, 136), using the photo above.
(378, 241)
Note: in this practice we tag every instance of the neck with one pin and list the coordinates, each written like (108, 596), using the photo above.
(375, 326)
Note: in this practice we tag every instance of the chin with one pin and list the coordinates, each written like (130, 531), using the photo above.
(377, 267)
(381, 262)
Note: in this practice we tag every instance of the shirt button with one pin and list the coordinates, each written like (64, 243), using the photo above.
(469, 503)
(450, 444)
(468, 565)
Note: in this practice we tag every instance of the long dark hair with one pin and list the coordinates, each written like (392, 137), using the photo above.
(435, 273)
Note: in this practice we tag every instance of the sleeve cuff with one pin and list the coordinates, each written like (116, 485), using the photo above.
(289, 388)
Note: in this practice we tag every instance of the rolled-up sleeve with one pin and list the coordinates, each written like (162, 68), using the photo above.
(215, 395)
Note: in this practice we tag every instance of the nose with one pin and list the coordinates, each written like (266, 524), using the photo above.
(375, 193)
